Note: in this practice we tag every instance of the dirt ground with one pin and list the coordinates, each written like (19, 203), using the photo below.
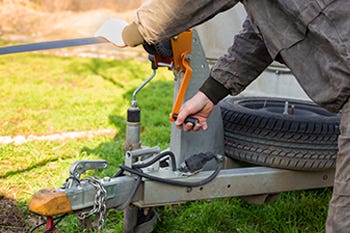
(12, 220)
(21, 22)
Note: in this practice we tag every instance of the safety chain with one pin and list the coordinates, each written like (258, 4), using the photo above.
(99, 208)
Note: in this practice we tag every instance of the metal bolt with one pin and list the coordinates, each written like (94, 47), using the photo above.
(285, 111)
(292, 109)
(220, 157)
(79, 167)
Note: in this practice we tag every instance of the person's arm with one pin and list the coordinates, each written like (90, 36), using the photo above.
(158, 19)
(246, 59)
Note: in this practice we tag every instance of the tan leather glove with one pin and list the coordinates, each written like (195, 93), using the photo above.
(131, 35)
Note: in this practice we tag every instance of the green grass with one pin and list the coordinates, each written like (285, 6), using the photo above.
(303, 211)
(42, 94)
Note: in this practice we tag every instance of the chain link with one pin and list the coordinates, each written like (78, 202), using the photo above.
(99, 208)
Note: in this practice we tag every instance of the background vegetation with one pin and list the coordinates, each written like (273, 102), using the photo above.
(83, 5)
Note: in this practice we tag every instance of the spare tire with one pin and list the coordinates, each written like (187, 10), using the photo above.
(282, 133)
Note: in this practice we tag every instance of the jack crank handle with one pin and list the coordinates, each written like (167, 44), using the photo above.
(188, 119)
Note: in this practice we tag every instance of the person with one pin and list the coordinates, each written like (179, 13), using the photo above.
(312, 38)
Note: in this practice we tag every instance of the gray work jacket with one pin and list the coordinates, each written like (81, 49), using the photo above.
(311, 37)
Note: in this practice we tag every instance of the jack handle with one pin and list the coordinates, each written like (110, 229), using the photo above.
(185, 60)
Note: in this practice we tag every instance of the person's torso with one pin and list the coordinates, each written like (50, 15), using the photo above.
(283, 23)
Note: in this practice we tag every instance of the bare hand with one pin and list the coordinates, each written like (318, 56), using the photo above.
(200, 107)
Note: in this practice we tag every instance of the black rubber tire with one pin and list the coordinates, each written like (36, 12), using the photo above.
(257, 131)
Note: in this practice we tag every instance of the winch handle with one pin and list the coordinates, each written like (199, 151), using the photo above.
(181, 47)
(185, 62)
(188, 119)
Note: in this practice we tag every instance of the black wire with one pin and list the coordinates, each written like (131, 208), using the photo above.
(174, 182)
(158, 157)
(36, 227)
(133, 192)
(119, 173)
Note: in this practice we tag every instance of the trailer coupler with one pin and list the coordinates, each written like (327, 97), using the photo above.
(93, 196)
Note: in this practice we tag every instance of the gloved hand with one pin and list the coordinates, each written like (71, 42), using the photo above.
(132, 36)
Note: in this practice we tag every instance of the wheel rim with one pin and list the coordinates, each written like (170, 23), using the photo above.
(285, 107)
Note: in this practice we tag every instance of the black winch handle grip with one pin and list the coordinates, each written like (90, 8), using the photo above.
(188, 119)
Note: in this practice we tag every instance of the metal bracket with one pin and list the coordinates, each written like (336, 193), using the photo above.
(80, 167)
(138, 155)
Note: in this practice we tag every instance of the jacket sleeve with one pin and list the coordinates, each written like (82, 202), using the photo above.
(245, 60)
(158, 19)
